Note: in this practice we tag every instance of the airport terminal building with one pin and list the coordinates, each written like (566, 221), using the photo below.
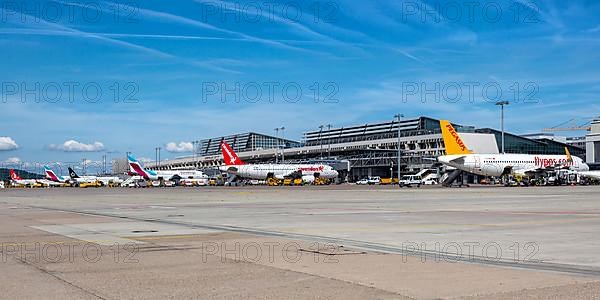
(365, 149)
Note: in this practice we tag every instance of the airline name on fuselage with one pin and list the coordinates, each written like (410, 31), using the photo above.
(548, 162)
(311, 169)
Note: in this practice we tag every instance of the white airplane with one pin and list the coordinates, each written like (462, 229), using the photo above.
(234, 165)
(17, 180)
(105, 180)
(136, 167)
(459, 156)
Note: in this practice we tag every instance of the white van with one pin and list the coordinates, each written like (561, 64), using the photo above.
(411, 180)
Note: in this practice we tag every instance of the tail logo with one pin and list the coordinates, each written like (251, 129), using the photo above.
(229, 155)
(453, 143)
(456, 137)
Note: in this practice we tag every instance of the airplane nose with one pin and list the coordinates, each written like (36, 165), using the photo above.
(585, 167)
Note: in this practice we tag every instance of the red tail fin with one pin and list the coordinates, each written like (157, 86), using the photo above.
(14, 175)
(231, 159)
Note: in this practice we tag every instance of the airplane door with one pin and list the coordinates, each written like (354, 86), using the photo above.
(477, 162)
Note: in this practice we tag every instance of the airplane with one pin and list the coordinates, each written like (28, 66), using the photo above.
(171, 175)
(235, 166)
(460, 157)
(53, 177)
(105, 180)
(16, 179)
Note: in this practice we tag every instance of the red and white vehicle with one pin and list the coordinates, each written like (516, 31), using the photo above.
(308, 172)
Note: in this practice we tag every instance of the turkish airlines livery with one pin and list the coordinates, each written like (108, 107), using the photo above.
(16, 179)
(136, 167)
(459, 156)
(308, 172)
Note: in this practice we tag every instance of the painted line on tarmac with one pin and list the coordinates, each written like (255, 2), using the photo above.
(362, 245)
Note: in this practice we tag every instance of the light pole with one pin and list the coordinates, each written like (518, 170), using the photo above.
(399, 117)
(502, 104)
(321, 140)
(194, 151)
(159, 148)
(157, 157)
(277, 147)
(328, 141)
(282, 149)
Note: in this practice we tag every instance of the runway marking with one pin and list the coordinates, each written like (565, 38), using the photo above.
(361, 245)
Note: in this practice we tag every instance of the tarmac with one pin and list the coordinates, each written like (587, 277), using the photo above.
(329, 242)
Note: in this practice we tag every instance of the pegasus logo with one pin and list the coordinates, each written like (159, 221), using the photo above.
(454, 134)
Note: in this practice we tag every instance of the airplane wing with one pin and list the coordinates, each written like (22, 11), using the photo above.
(50, 183)
(591, 174)
(534, 171)
(459, 160)
(293, 174)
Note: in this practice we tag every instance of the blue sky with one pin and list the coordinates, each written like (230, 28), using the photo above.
(176, 68)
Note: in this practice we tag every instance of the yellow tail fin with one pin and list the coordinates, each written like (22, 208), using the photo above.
(452, 141)
(569, 157)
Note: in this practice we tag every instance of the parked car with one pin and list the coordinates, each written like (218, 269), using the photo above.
(430, 181)
(372, 180)
(411, 180)
(169, 183)
(141, 184)
(156, 183)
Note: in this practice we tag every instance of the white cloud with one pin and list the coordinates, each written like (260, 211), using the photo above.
(181, 147)
(13, 161)
(75, 146)
(7, 143)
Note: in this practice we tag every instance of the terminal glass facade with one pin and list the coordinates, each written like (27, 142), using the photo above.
(243, 142)
(518, 144)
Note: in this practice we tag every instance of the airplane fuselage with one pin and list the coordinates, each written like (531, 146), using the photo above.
(280, 171)
(104, 179)
(499, 164)
(183, 174)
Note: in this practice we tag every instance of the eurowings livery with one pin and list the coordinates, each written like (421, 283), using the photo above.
(234, 165)
(53, 177)
(16, 179)
(138, 168)
(105, 180)
(459, 156)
